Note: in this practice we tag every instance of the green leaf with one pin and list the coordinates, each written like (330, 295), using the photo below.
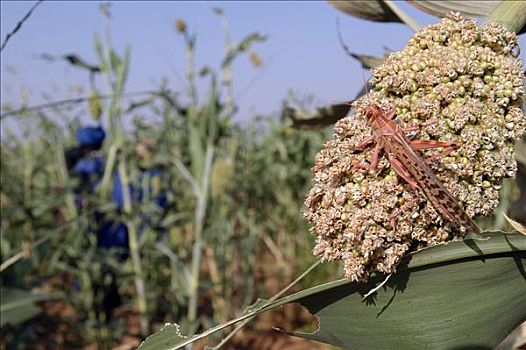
(122, 70)
(518, 200)
(100, 53)
(243, 46)
(196, 148)
(115, 61)
(170, 338)
(18, 305)
(520, 150)
(465, 294)
(322, 117)
(167, 338)
(468, 9)
(375, 10)
(443, 300)
(511, 14)
(368, 61)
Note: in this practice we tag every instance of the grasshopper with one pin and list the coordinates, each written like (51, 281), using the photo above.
(403, 155)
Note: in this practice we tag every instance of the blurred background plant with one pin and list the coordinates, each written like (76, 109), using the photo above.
(229, 228)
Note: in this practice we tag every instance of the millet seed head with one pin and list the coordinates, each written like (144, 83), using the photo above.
(457, 82)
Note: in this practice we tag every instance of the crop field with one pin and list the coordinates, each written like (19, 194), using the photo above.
(131, 213)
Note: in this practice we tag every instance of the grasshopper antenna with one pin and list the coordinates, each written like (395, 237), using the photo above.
(348, 51)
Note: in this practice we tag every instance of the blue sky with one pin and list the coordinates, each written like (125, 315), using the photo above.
(302, 52)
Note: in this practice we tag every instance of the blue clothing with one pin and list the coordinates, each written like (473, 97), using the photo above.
(136, 190)
(90, 169)
(112, 233)
(90, 165)
(90, 136)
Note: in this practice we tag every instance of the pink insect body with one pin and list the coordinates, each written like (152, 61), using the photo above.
(409, 164)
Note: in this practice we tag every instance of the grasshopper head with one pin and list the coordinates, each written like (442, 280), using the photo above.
(373, 112)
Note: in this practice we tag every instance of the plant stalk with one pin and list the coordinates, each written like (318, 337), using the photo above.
(63, 176)
(227, 68)
(190, 68)
(199, 217)
(134, 247)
